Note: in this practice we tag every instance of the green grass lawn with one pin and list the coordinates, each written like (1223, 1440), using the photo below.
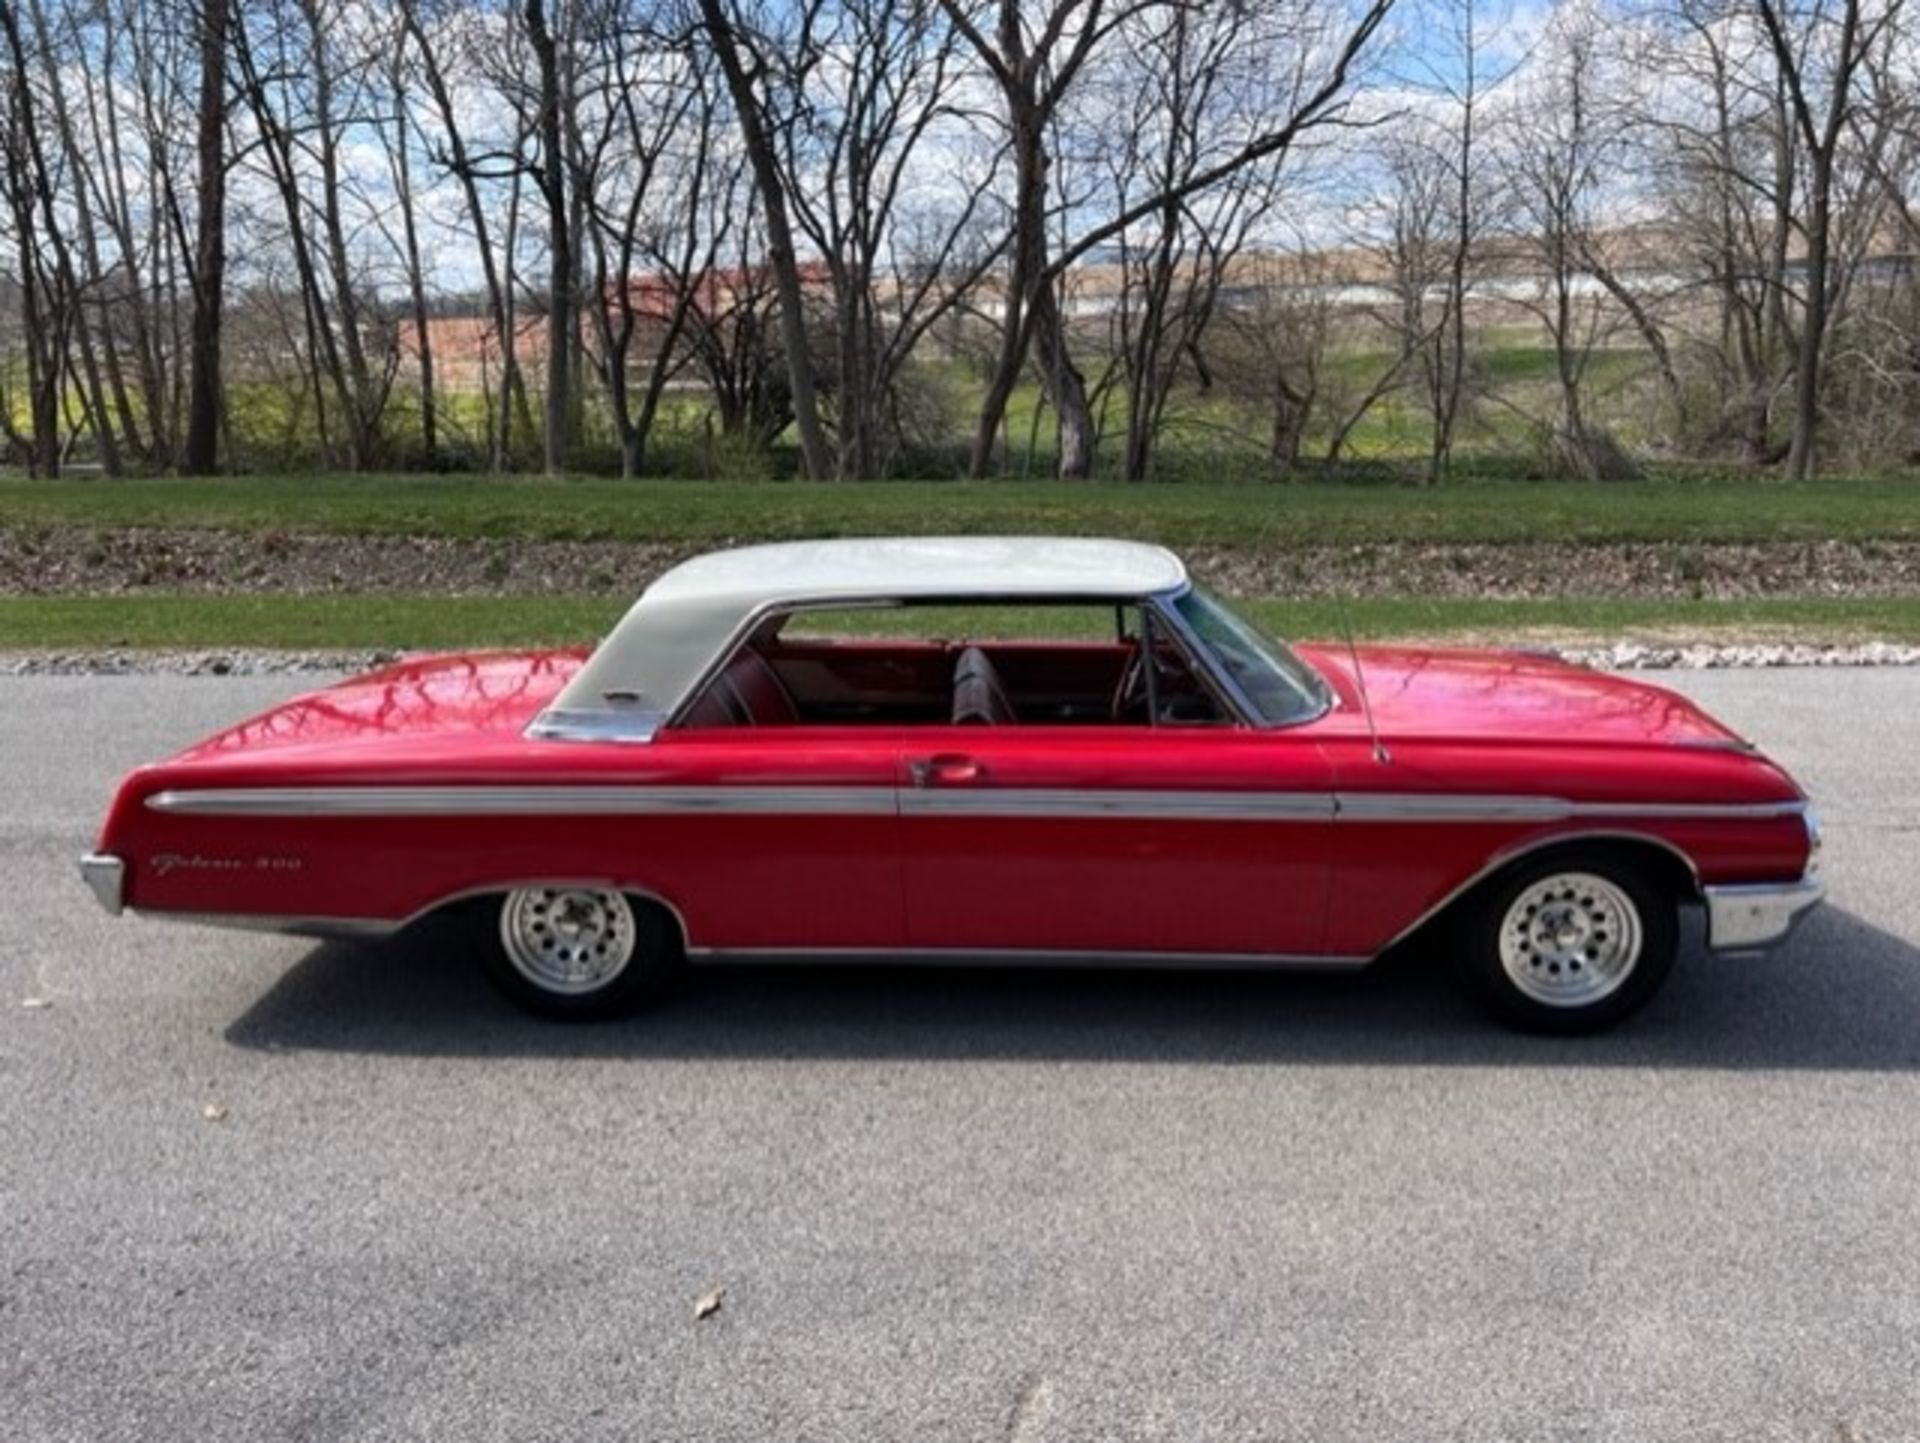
(352, 622)
(705, 514)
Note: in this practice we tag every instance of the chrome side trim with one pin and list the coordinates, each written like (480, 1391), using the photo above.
(590, 801)
(106, 874)
(883, 800)
(1446, 807)
(1509, 855)
(1022, 957)
(1442, 807)
(991, 801)
(1716, 811)
(1752, 918)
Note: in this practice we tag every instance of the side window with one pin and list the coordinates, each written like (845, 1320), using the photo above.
(962, 664)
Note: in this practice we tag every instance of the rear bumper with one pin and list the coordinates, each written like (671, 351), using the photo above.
(1752, 918)
(107, 876)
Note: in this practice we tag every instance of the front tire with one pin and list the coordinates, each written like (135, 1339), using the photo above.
(580, 953)
(1571, 943)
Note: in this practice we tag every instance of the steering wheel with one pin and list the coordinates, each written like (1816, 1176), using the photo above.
(1131, 695)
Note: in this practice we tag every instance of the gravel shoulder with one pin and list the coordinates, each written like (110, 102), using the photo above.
(1678, 654)
(83, 561)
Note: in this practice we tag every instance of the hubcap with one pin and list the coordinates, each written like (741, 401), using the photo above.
(1570, 939)
(567, 939)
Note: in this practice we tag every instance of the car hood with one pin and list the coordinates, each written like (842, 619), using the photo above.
(468, 693)
(1513, 696)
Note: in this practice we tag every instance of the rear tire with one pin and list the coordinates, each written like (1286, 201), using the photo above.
(1570, 943)
(579, 954)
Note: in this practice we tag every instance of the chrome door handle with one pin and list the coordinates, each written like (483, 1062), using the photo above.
(945, 769)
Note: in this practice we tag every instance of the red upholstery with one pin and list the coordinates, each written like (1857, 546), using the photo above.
(747, 694)
(759, 690)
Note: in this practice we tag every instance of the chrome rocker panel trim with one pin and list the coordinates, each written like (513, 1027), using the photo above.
(1024, 957)
(326, 929)
(1754, 917)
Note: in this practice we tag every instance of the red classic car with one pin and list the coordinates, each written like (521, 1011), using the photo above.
(1017, 749)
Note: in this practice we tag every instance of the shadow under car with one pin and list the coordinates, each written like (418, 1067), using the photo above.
(1841, 995)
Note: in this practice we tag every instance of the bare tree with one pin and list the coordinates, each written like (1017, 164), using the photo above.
(398, 139)
(1820, 48)
(1034, 60)
(44, 302)
(1190, 75)
(649, 169)
(208, 277)
(1268, 348)
(452, 152)
(1412, 242)
(1552, 157)
(551, 101)
(887, 174)
(744, 68)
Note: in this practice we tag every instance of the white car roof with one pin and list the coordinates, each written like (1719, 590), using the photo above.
(663, 646)
(887, 567)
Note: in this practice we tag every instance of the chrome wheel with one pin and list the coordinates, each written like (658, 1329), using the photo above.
(568, 940)
(1570, 939)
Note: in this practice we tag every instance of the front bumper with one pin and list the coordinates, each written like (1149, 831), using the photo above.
(1751, 918)
(107, 876)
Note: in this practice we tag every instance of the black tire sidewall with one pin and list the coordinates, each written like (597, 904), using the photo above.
(1659, 941)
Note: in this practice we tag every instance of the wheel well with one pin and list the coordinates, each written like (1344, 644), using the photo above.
(473, 903)
(1668, 868)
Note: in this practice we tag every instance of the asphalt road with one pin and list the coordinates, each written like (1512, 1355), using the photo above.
(949, 1205)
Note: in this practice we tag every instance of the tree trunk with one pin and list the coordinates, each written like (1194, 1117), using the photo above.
(1066, 389)
(499, 300)
(1291, 408)
(416, 277)
(815, 456)
(360, 402)
(1020, 320)
(560, 284)
(202, 453)
(90, 362)
(1813, 326)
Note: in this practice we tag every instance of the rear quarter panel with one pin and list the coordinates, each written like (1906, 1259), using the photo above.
(737, 880)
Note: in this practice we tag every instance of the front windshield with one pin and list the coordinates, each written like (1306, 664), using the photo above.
(1281, 687)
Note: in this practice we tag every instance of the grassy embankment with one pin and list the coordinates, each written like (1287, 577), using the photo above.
(1239, 514)
(1272, 519)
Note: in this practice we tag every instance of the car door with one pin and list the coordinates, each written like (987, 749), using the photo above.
(1113, 839)
(774, 838)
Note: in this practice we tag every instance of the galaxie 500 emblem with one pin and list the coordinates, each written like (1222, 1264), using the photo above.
(166, 862)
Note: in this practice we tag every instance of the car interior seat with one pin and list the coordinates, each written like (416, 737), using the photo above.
(979, 697)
